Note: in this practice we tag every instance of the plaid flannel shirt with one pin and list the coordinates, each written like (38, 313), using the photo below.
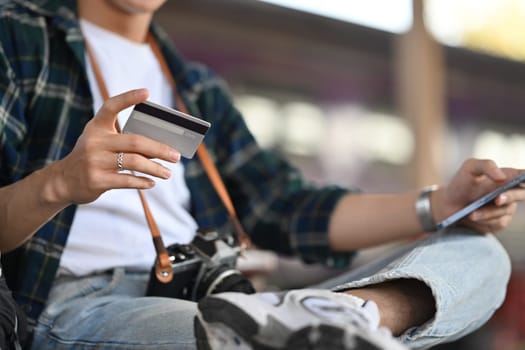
(45, 102)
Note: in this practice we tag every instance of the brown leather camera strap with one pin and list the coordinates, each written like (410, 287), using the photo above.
(203, 154)
(163, 269)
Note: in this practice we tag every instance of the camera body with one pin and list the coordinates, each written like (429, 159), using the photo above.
(203, 267)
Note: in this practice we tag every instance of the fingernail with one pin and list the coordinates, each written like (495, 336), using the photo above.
(166, 173)
(475, 216)
(141, 92)
(174, 155)
(503, 199)
(151, 183)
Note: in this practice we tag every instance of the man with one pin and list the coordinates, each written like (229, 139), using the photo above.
(83, 268)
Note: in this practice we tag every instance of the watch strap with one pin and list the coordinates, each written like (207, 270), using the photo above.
(424, 209)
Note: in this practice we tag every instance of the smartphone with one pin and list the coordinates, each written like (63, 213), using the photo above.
(179, 130)
(517, 181)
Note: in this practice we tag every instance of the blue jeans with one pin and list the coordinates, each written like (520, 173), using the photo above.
(467, 273)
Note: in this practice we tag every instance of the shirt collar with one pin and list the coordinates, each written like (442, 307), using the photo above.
(64, 16)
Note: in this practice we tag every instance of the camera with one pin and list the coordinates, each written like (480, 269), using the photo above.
(203, 267)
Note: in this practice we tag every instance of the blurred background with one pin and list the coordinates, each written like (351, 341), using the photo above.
(385, 95)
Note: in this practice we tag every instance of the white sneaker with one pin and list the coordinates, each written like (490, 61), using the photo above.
(293, 320)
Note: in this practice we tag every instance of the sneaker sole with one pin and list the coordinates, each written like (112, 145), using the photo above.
(219, 311)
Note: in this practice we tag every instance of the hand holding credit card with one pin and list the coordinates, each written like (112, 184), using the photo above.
(179, 130)
(516, 181)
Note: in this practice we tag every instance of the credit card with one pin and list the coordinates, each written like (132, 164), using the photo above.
(179, 130)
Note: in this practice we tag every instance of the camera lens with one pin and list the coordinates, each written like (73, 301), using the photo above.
(223, 279)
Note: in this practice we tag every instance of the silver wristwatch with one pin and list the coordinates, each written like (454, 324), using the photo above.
(424, 209)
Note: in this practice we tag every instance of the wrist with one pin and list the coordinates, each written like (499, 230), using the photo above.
(53, 189)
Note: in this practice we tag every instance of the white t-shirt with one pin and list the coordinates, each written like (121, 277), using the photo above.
(112, 231)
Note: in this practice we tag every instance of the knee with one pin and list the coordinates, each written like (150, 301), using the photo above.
(470, 283)
(496, 259)
(501, 266)
(486, 266)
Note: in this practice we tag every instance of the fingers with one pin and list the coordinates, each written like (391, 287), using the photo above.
(505, 204)
(497, 215)
(111, 107)
(125, 151)
(515, 195)
(111, 176)
(146, 147)
(493, 212)
(494, 226)
(143, 165)
(99, 182)
(125, 180)
(481, 167)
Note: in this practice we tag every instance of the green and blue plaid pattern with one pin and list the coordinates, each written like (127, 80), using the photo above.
(45, 102)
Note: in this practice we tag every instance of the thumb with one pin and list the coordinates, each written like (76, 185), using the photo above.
(107, 114)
